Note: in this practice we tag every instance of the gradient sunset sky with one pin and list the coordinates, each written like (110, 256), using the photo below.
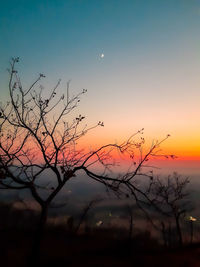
(149, 76)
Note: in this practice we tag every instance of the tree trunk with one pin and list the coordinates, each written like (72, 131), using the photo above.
(164, 234)
(179, 233)
(37, 239)
(130, 230)
(130, 227)
(169, 237)
(191, 232)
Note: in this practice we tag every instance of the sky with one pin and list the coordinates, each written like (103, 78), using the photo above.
(149, 76)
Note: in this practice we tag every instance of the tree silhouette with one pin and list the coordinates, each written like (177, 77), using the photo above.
(38, 133)
(171, 198)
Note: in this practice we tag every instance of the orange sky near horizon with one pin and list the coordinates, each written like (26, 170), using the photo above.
(185, 147)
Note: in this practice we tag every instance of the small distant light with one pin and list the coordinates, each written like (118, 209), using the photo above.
(192, 219)
(102, 55)
(99, 223)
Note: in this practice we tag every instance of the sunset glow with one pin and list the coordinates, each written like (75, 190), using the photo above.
(149, 77)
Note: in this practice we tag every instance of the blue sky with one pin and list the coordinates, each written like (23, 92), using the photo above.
(149, 76)
(65, 35)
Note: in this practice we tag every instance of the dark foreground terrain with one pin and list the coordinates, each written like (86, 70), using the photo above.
(97, 249)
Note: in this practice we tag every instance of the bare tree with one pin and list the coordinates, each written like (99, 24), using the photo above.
(171, 198)
(38, 133)
(88, 206)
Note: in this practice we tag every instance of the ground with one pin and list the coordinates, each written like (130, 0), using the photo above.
(61, 249)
